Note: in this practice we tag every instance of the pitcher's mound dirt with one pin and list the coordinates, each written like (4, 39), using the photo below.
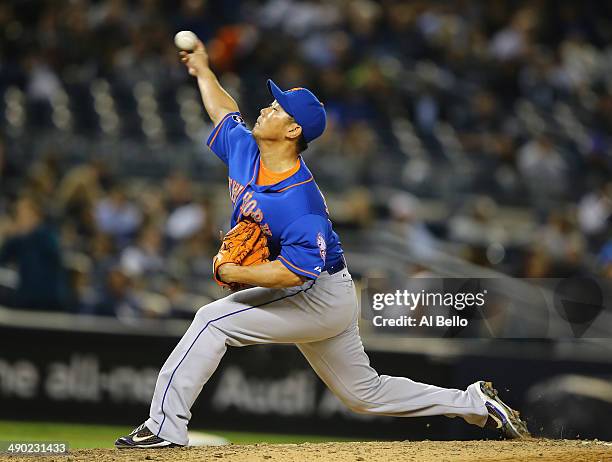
(421, 451)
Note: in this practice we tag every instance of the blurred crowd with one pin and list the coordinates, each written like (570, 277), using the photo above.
(87, 242)
(498, 113)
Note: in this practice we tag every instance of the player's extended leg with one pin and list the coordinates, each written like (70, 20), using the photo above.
(342, 364)
(344, 367)
(249, 317)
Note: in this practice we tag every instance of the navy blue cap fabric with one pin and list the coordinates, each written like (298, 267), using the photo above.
(304, 107)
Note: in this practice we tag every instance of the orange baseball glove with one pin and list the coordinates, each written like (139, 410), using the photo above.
(245, 245)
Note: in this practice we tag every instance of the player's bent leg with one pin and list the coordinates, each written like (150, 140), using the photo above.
(179, 382)
(192, 362)
(344, 367)
(249, 317)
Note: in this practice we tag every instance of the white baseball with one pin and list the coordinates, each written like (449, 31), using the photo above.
(185, 40)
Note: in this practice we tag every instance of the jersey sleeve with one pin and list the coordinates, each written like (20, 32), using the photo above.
(229, 136)
(303, 246)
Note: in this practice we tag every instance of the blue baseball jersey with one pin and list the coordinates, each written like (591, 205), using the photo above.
(292, 213)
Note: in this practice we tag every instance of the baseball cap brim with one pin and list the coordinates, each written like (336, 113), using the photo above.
(280, 96)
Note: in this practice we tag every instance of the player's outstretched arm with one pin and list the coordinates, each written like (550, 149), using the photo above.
(217, 101)
(272, 274)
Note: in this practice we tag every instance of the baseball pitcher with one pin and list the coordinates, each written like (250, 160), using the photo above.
(284, 247)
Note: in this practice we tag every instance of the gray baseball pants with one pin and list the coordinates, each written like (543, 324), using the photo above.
(320, 318)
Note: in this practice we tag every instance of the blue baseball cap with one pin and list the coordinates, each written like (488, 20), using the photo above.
(304, 107)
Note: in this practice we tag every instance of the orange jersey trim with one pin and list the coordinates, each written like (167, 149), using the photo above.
(252, 178)
(267, 177)
(245, 188)
(280, 257)
(296, 184)
(218, 129)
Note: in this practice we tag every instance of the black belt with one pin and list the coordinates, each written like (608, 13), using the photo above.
(337, 266)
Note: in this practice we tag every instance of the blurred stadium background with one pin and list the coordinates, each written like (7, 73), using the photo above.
(465, 139)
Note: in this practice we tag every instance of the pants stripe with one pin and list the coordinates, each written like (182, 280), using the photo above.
(204, 328)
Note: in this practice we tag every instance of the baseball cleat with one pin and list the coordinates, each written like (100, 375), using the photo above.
(501, 416)
(141, 437)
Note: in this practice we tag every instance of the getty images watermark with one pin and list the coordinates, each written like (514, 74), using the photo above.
(411, 301)
(489, 307)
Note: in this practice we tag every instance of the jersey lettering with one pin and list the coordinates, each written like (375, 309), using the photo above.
(235, 189)
(249, 209)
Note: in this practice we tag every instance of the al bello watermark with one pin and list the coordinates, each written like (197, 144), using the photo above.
(412, 301)
(489, 307)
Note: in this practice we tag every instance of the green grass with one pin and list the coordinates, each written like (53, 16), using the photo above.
(103, 436)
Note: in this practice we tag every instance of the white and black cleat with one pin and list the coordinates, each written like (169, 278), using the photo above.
(501, 416)
(143, 438)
